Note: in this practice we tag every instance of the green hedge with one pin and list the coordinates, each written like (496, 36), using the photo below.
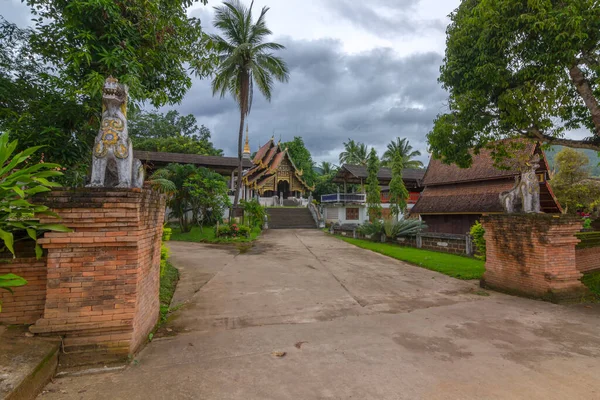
(588, 239)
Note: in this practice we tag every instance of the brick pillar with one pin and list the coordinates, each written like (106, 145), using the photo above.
(103, 278)
(533, 255)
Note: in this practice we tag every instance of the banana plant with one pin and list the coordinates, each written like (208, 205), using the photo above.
(19, 180)
(9, 281)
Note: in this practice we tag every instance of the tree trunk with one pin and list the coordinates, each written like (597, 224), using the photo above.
(243, 111)
(587, 95)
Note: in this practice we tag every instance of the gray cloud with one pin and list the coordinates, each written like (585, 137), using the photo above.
(371, 97)
(16, 12)
(387, 18)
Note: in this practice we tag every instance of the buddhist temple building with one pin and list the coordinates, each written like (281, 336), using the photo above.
(455, 198)
(274, 177)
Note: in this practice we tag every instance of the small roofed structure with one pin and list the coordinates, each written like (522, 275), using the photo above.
(455, 198)
(357, 174)
(274, 174)
(225, 166)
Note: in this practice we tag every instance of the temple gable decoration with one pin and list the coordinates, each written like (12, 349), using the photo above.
(274, 173)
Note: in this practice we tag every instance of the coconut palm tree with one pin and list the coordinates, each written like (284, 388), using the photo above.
(354, 153)
(245, 60)
(326, 168)
(401, 148)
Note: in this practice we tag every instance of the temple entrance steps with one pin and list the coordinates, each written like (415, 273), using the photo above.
(290, 218)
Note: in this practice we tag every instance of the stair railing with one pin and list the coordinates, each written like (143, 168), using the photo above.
(316, 214)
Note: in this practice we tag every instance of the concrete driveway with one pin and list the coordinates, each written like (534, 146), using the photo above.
(353, 325)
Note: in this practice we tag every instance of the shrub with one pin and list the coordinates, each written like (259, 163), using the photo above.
(222, 231)
(167, 232)
(255, 212)
(587, 223)
(244, 231)
(392, 229)
(477, 233)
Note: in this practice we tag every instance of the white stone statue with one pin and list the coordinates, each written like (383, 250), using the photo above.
(526, 191)
(112, 149)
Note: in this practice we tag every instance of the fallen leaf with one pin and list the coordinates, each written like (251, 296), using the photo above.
(299, 344)
(279, 353)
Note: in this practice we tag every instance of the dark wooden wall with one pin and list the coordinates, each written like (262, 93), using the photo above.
(450, 223)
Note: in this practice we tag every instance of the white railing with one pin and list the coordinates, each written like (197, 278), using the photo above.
(344, 198)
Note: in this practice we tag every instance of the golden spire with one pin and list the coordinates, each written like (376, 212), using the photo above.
(247, 145)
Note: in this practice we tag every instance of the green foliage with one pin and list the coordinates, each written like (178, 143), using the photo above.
(519, 68)
(196, 191)
(594, 158)
(208, 235)
(324, 182)
(144, 43)
(571, 184)
(398, 192)
(168, 283)
(171, 133)
(354, 153)
(373, 229)
(373, 190)
(232, 231)
(592, 281)
(448, 264)
(167, 232)
(588, 239)
(246, 59)
(207, 196)
(302, 159)
(477, 233)
(392, 229)
(9, 281)
(19, 180)
(255, 212)
(51, 74)
(401, 149)
(587, 223)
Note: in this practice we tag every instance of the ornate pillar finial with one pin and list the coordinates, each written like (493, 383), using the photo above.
(247, 145)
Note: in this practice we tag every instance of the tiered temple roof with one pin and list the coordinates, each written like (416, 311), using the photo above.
(271, 165)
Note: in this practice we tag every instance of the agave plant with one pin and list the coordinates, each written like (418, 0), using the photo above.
(408, 227)
(392, 229)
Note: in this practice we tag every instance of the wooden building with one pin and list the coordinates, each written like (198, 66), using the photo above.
(274, 174)
(454, 198)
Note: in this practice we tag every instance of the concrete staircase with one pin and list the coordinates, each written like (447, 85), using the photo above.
(290, 218)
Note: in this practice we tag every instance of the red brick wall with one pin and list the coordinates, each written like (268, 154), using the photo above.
(102, 289)
(587, 259)
(533, 255)
(26, 304)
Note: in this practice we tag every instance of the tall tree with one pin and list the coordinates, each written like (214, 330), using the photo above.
(302, 158)
(401, 148)
(398, 192)
(51, 74)
(354, 153)
(170, 132)
(327, 168)
(245, 59)
(572, 185)
(518, 68)
(373, 190)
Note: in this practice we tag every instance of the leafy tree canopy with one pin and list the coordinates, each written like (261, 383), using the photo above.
(519, 69)
(572, 185)
(398, 191)
(171, 133)
(302, 159)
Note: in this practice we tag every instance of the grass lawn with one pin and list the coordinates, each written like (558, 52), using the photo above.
(448, 264)
(207, 235)
(168, 282)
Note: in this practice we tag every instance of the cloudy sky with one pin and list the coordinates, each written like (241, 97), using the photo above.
(365, 70)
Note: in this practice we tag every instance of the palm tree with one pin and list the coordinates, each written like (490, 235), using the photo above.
(245, 60)
(326, 168)
(354, 153)
(172, 179)
(401, 148)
